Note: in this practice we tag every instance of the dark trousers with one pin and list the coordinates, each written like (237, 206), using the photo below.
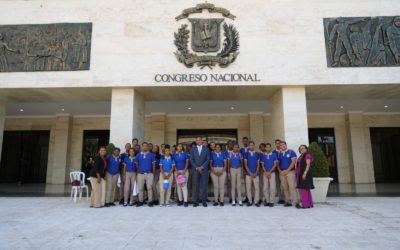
(197, 178)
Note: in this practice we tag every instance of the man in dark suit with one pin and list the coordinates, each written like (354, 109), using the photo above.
(199, 159)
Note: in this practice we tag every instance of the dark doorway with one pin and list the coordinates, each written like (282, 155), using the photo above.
(385, 144)
(219, 136)
(24, 156)
(92, 140)
(325, 137)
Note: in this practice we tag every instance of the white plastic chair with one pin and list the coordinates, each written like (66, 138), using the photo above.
(78, 184)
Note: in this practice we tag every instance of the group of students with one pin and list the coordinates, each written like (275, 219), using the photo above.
(187, 169)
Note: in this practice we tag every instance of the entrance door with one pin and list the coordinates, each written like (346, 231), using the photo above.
(92, 140)
(386, 154)
(24, 156)
(219, 136)
(325, 137)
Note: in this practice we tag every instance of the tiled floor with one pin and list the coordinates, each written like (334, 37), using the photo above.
(341, 223)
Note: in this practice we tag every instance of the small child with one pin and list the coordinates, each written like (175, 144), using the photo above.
(167, 165)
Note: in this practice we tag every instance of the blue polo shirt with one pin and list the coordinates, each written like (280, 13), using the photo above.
(157, 162)
(123, 155)
(252, 159)
(130, 164)
(285, 159)
(217, 159)
(113, 164)
(235, 159)
(145, 162)
(268, 160)
(277, 153)
(167, 163)
(244, 151)
(180, 160)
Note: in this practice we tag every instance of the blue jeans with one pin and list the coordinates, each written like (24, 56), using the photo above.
(197, 177)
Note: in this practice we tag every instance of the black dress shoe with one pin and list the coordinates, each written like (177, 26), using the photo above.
(215, 204)
(266, 204)
(112, 204)
(271, 204)
(230, 200)
(246, 200)
(281, 202)
(208, 200)
(185, 204)
(121, 201)
(258, 204)
(139, 204)
(180, 203)
(287, 205)
(249, 204)
(221, 204)
(151, 204)
(107, 205)
(204, 204)
(156, 202)
(195, 204)
(298, 206)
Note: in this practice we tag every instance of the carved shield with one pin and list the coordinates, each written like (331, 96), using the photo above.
(206, 35)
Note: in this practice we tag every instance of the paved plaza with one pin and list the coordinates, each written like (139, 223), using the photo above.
(341, 223)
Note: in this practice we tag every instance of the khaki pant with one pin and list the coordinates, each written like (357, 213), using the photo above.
(98, 192)
(130, 178)
(111, 187)
(269, 187)
(279, 187)
(289, 185)
(183, 191)
(154, 185)
(147, 179)
(219, 184)
(165, 195)
(236, 183)
(256, 185)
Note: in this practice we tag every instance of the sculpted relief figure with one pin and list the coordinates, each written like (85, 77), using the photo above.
(3, 59)
(393, 33)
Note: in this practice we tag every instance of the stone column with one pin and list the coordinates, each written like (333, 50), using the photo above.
(360, 148)
(59, 171)
(256, 127)
(127, 116)
(157, 128)
(289, 116)
(2, 121)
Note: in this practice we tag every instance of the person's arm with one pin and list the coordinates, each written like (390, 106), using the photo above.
(172, 169)
(246, 167)
(293, 163)
(98, 165)
(186, 166)
(225, 165)
(207, 161)
(257, 169)
(162, 169)
(192, 161)
(212, 166)
(274, 166)
(308, 165)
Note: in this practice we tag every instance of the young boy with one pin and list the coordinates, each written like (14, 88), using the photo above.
(167, 165)
(269, 162)
(112, 174)
(146, 166)
(251, 165)
(235, 165)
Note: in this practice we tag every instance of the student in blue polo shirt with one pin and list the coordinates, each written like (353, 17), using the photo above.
(251, 165)
(129, 164)
(269, 162)
(287, 161)
(122, 174)
(157, 156)
(243, 151)
(182, 168)
(279, 187)
(167, 165)
(235, 165)
(218, 174)
(112, 174)
(145, 162)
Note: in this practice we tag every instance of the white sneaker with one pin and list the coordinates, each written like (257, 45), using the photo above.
(161, 205)
(168, 205)
(240, 203)
(233, 203)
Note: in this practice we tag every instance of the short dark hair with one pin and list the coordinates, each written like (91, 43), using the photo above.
(283, 142)
(262, 145)
(167, 146)
(245, 137)
(268, 144)
(119, 150)
(252, 142)
(277, 140)
(144, 143)
(135, 139)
